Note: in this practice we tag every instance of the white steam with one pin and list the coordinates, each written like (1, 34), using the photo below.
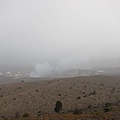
(42, 70)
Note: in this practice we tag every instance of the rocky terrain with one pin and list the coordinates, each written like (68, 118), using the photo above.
(81, 97)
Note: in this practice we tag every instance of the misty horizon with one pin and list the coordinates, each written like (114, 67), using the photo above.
(63, 34)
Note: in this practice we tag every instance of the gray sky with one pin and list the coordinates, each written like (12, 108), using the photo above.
(71, 33)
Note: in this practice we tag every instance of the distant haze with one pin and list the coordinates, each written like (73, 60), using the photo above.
(60, 33)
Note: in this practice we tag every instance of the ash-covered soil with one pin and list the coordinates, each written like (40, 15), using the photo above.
(92, 95)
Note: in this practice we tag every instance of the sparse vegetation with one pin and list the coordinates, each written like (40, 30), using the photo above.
(92, 93)
(40, 98)
(14, 98)
(58, 106)
(89, 106)
(59, 94)
(37, 90)
(78, 97)
(85, 95)
(25, 115)
(77, 111)
(107, 107)
(96, 113)
(39, 113)
(113, 89)
(22, 81)
(71, 87)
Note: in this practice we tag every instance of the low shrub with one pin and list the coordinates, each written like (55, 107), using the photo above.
(26, 115)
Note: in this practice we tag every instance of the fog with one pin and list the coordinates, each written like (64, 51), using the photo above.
(57, 34)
